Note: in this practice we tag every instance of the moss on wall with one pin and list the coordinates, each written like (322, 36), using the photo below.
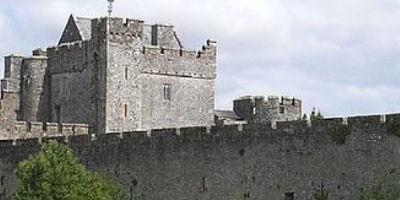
(339, 133)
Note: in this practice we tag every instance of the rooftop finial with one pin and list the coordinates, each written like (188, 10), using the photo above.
(110, 7)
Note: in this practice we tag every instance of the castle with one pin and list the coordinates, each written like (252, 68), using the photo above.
(136, 106)
(117, 76)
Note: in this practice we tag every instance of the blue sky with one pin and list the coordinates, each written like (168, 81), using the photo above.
(340, 56)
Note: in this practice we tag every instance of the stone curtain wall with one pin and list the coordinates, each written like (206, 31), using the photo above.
(234, 162)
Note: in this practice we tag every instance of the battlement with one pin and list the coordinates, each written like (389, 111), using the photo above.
(186, 53)
(181, 62)
(70, 57)
(270, 99)
(39, 52)
(67, 47)
(127, 27)
(258, 109)
(370, 126)
(28, 130)
(295, 149)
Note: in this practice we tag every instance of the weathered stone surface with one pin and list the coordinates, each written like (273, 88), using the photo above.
(111, 74)
(253, 160)
(35, 90)
(257, 109)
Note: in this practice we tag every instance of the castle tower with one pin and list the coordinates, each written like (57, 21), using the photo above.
(117, 75)
(257, 109)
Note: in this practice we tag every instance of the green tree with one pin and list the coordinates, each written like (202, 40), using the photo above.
(316, 115)
(304, 118)
(56, 174)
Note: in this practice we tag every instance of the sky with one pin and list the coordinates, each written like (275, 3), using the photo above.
(342, 56)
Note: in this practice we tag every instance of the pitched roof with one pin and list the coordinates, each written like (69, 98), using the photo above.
(85, 27)
(77, 29)
(226, 114)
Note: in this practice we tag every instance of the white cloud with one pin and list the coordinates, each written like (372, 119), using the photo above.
(338, 55)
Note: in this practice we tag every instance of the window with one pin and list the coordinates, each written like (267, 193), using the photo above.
(2, 180)
(289, 196)
(126, 110)
(281, 110)
(167, 92)
(58, 113)
(204, 184)
(126, 73)
(27, 81)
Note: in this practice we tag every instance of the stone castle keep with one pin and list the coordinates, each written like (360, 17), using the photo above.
(115, 75)
(137, 106)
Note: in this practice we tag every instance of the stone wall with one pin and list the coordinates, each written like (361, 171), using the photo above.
(137, 73)
(122, 85)
(103, 72)
(234, 162)
(36, 130)
(72, 83)
(165, 36)
(35, 89)
(9, 106)
(77, 70)
(191, 102)
(12, 73)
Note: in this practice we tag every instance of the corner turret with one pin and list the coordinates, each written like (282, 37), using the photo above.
(257, 109)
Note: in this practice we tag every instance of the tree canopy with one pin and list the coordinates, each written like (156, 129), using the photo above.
(56, 174)
(316, 115)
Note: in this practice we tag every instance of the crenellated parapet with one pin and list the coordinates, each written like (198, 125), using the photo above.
(258, 109)
(70, 57)
(29, 130)
(180, 62)
(366, 128)
(127, 27)
(307, 152)
(12, 73)
(23, 85)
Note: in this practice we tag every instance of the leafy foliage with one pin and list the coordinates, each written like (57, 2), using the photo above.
(321, 193)
(393, 127)
(382, 191)
(339, 133)
(322, 196)
(316, 115)
(55, 174)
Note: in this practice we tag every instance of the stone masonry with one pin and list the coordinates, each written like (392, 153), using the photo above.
(135, 105)
(115, 75)
(246, 161)
(255, 109)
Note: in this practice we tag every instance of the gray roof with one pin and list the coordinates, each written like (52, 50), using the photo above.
(226, 114)
(85, 27)
(77, 29)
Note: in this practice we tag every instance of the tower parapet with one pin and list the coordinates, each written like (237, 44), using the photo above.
(257, 109)
(12, 73)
